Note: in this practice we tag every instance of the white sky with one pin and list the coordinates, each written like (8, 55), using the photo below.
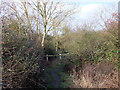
(88, 10)
(92, 0)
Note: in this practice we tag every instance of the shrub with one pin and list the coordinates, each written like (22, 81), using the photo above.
(22, 58)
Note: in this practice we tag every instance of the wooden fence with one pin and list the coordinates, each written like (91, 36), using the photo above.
(59, 56)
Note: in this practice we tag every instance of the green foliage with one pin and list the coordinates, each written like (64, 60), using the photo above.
(93, 46)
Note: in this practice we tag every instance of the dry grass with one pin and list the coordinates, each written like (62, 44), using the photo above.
(101, 75)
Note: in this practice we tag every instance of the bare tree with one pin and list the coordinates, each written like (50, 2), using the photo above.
(50, 15)
(22, 14)
(46, 15)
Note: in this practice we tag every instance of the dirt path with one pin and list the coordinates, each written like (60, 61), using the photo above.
(53, 76)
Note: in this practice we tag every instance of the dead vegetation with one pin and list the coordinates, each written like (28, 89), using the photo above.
(101, 75)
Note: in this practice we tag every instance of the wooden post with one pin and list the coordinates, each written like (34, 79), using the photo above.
(47, 57)
(60, 56)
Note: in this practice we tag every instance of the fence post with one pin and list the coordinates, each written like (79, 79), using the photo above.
(47, 57)
(60, 56)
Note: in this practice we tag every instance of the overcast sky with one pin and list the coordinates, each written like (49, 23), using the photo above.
(89, 9)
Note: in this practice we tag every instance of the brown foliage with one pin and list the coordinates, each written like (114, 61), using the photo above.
(101, 75)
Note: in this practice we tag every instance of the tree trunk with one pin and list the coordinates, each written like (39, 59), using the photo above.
(43, 39)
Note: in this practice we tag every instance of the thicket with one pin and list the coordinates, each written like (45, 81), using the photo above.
(22, 58)
(93, 46)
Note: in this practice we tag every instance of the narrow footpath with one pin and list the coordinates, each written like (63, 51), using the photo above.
(55, 75)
